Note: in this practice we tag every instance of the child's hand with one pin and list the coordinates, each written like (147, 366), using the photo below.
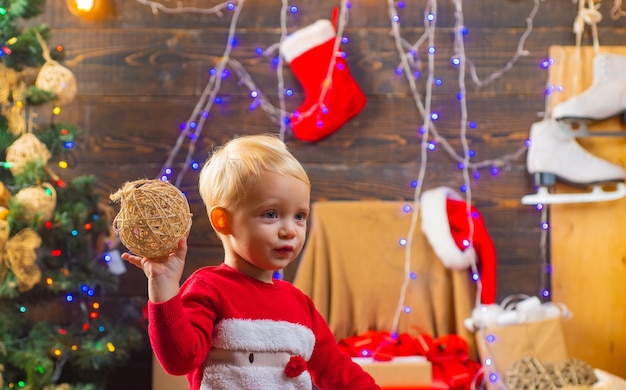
(164, 273)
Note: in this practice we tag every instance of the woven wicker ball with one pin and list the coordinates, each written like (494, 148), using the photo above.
(154, 215)
(57, 79)
(37, 200)
(526, 374)
(531, 374)
(25, 149)
(575, 372)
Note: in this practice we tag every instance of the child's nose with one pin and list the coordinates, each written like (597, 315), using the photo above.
(287, 230)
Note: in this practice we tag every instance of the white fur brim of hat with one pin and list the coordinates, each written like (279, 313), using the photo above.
(306, 38)
(436, 228)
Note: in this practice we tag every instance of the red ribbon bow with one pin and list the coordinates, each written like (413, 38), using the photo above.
(448, 354)
(381, 346)
(451, 363)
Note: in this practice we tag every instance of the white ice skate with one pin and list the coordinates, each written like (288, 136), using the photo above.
(604, 99)
(554, 154)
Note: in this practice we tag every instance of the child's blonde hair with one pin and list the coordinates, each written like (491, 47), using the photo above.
(231, 168)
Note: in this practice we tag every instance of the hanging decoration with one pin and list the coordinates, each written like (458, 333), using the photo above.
(37, 202)
(332, 95)
(27, 148)
(55, 78)
(12, 89)
(18, 255)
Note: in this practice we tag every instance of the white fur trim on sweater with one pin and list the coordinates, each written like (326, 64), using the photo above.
(436, 228)
(252, 377)
(264, 336)
(306, 38)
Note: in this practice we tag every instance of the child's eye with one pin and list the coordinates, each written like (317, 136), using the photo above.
(300, 217)
(270, 214)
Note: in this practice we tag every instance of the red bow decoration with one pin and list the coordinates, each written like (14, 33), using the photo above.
(382, 346)
(451, 362)
(448, 354)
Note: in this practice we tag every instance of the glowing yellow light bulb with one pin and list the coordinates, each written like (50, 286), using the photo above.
(56, 110)
(57, 352)
(83, 6)
(110, 347)
(63, 164)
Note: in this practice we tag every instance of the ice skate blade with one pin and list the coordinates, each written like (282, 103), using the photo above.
(579, 129)
(597, 194)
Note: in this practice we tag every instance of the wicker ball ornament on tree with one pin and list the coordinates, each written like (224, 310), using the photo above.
(154, 215)
(25, 149)
(55, 78)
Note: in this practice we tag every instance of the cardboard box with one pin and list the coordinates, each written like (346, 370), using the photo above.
(544, 340)
(400, 372)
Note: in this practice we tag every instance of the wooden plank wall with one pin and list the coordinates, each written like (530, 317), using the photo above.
(140, 75)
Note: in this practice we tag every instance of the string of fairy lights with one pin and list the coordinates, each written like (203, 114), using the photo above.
(409, 60)
(588, 15)
(192, 128)
(407, 55)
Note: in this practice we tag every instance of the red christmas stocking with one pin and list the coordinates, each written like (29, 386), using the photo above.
(328, 103)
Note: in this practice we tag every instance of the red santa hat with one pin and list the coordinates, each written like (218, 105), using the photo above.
(445, 224)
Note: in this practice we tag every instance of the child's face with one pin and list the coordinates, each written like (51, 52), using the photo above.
(269, 230)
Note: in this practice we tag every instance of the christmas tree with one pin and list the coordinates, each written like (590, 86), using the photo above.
(57, 249)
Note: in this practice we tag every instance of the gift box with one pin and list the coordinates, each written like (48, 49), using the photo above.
(401, 372)
(500, 346)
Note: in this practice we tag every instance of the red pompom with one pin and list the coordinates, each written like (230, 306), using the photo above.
(295, 367)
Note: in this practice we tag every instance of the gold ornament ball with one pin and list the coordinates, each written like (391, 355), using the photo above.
(37, 201)
(57, 79)
(154, 215)
(27, 148)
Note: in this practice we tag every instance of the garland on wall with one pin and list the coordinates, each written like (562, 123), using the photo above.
(412, 58)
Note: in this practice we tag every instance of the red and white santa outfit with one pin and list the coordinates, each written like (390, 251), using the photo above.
(227, 330)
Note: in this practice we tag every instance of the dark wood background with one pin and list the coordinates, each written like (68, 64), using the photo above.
(140, 75)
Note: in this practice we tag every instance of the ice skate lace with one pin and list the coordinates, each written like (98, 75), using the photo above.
(588, 14)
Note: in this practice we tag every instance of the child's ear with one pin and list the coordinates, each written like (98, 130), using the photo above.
(219, 220)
